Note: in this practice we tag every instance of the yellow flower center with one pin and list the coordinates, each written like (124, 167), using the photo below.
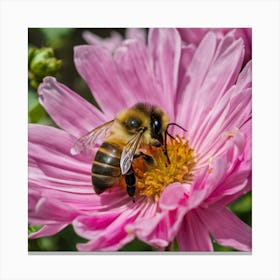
(153, 177)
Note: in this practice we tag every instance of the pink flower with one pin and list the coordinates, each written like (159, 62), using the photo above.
(205, 90)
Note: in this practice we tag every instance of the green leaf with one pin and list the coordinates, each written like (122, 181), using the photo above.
(32, 229)
(243, 204)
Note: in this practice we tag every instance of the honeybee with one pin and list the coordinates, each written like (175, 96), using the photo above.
(142, 124)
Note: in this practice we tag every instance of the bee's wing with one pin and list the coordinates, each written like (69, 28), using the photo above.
(87, 142)
(129, 150)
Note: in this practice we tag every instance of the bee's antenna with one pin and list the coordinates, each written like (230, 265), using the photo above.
(176, 125)
(171, 136)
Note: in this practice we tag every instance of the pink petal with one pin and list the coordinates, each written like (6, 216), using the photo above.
(205, 183)
(135, 33)
(246, 35)
(48, 230)
(52, 145)
(198, 192)
(33, 196)
(70, 111)
(159, 229)
(79, 201)
(89, 226)
(197, 70)
(165, 46)
(193, 35)
(173, 196)
(193, 235)
(55, 174)
(187, 53)
(57, 177)
(227, 200)
(214, 69)
(135, 67)
(226, 228)
(51, 211)
(111, 43)
(107, 231)
(228, 174)
(104, 244)
(244, 80)
(97, 67)
(230, 113)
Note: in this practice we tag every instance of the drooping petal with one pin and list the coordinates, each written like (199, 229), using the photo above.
(54, 173)
(53, 145)
(48, 173)
(227, 200)
(70, 111)
(51, 211)
(226, 228)
(108, 244)
(193, 235)
(48, 230)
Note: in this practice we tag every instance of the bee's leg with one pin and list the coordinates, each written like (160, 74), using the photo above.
(130, 182)
(148, 159)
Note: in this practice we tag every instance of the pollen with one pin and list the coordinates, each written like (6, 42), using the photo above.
(154, 176)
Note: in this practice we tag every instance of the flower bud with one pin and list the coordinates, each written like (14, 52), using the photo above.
(41, 63)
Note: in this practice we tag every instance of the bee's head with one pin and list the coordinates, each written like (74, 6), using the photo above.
(146, 116)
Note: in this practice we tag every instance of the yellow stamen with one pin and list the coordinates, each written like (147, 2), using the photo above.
(152, 178)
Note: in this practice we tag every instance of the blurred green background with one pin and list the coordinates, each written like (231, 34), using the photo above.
(61, 41)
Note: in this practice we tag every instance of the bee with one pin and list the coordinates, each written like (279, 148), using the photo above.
(142, 124)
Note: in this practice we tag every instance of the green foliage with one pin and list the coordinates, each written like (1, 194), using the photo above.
(136, 245)
(56, 37)
(243, 204)
(242, 208)
(36, 113)
(65, 240)
(32, 229)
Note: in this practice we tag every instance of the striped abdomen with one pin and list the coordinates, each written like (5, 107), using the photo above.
(106, 167)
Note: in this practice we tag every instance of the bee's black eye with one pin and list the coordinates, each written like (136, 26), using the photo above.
(156, 125)
(133, 123)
